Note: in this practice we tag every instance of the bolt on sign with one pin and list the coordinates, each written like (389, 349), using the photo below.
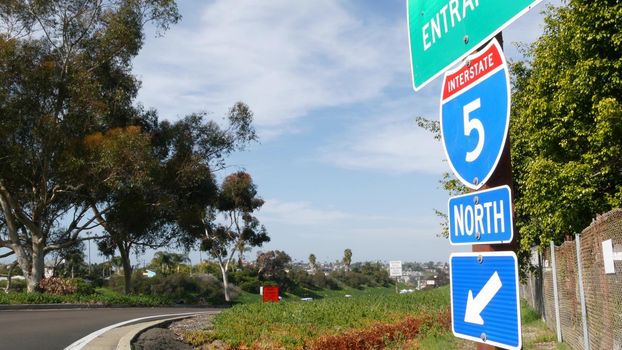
(443, 32)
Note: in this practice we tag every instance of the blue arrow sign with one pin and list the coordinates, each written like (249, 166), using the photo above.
(484, 298)
(475, 115)
(481, 217)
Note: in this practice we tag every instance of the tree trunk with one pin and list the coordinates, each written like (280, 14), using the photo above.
(34, 276)
(127, 269)
(225, 281)
(9, 277)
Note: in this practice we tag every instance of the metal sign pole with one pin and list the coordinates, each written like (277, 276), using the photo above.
(586, 340)
(558, 327)
(500, 177)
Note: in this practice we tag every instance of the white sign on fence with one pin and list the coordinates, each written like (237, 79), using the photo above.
(608, 257)
(395, 268)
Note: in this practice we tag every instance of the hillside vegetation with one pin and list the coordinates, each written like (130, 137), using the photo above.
(372, 318)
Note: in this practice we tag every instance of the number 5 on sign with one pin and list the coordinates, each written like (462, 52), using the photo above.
(475, 115)
(469, 125)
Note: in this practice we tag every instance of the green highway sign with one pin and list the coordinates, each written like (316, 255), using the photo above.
(442, 32)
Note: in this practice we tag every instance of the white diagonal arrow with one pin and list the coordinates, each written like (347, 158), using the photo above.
(475, 306)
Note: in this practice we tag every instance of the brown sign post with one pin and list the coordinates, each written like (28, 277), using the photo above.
(502, 175)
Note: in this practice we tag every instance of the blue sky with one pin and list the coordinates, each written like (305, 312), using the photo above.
(340, 162)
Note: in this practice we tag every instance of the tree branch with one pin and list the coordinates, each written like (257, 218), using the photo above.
(69, 242)
(2, 256)
(36, 17)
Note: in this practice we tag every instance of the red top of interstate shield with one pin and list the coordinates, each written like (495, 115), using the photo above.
(478, 66)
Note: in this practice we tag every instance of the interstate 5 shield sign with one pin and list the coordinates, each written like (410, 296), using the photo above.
(475, 115)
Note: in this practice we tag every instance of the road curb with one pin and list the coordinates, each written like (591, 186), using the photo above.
(58, 306)
(110, 337)
(125, 343)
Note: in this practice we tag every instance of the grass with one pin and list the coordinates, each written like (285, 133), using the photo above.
(536, 334)
(331, 318)
(292, 324)
(250, 298)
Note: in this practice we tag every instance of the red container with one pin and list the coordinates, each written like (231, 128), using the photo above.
(271, 294)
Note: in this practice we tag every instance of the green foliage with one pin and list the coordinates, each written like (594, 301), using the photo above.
(197, 338)
(566, 126)
(272, 266)
(74, 142)
(83, 287)
(528, 314)
(320, 280)
(66, 75)
(347, 258)
(16, 285)
(441, 341)
(246, 279)
(167, 262)
(293, 324)
(366, 275)
(180, 288)
(96, 298)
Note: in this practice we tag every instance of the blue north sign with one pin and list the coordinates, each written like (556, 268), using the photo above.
(475, 115)
(484, 298)
(482, 217)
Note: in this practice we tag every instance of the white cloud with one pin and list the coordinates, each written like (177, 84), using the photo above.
(399, 147)
(391, 142)
(302, 213)
(284, 58)
(299, 213)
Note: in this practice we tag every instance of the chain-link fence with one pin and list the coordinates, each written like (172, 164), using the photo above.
(576, 294)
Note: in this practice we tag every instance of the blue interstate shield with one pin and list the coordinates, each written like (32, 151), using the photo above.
(475, 116)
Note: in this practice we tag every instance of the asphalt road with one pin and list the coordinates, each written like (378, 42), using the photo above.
(56, 329)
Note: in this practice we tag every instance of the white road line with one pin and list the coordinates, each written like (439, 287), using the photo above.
(80, 343)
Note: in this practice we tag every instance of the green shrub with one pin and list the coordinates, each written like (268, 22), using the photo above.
(179, 287)
(245, 278)
(96, 298)
(320, 280)
(251, 286)
(17, 285)
(116, 283)
(83, 287)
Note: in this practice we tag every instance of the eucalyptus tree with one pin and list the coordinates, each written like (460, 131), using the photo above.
(156, 180)
(65, 73)
(273, 266)
(229, 225)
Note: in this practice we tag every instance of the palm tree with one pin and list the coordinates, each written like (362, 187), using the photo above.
(347, 259)
(165, 262)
